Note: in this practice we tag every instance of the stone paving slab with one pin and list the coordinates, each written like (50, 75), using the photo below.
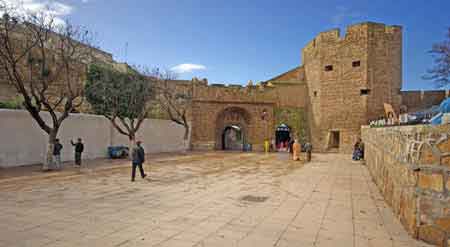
(219, 199)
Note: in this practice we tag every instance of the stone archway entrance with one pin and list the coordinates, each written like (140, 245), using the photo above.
(232, 138)
(231, 128)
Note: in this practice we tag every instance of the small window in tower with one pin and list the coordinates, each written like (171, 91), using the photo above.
(365, 91)
(315, 93)
(356, 63)
(329, 68)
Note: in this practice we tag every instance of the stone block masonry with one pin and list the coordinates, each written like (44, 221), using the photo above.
(411, 167)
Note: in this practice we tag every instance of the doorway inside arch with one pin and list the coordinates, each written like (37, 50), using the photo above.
(282, 137)
(233, 138)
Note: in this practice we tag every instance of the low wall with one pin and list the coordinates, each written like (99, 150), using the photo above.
(22, 142)
(411, 167)
(419, 100)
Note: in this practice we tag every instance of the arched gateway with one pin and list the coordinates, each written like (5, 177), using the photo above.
(232, 128)
(231, 125)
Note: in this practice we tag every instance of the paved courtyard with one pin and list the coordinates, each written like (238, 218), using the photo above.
(212, 199)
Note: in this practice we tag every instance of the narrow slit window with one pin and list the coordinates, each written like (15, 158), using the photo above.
(315, 93)
(356, 63)
(329, 68)
(365, 91)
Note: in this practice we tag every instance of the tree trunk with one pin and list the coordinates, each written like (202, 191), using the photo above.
(48, 161)
(132, 139)
(186, 144)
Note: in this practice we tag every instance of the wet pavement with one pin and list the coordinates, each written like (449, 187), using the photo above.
(210, 199)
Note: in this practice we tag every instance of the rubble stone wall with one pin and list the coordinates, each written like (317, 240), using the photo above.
(411, 167)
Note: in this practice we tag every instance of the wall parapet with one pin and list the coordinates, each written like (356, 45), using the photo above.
(356, 31)
(411, 167)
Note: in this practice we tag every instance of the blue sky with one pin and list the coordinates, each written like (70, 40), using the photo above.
(235, 41)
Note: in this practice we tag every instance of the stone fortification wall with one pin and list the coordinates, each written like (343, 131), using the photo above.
(411, 167)
(233, 93)
(24, 143)
(419, 100)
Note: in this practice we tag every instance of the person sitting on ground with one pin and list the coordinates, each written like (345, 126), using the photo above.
(79, 148)
(357, 150)
(361, 149)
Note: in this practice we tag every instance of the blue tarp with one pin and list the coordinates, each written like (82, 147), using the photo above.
(443, 108)
(115, 152)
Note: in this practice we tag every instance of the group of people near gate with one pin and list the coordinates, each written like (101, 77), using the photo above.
(294, 147)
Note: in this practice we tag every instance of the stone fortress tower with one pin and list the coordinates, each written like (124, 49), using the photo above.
(348, 79)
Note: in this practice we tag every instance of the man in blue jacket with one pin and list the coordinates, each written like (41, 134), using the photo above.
(138, 158)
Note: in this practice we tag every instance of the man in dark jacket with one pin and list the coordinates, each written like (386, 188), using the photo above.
(138, 158)
(308, 150)
(57, 154)
(79, 148)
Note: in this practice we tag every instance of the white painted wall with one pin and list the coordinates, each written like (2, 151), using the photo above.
(22, 142)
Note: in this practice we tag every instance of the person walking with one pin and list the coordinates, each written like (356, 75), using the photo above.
(79, 148)
(57, 154)
(308, 150)
(138, 158)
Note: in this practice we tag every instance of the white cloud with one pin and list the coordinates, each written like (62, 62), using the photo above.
(342, 14)
(187, 68)
(51, 9)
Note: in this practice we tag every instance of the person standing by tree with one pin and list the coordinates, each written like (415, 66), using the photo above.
(57, 154)
(79, 148)
(138, 158)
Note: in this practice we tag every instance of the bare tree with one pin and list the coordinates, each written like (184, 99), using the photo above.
(175, 99)
(45, 63)
(440, 73)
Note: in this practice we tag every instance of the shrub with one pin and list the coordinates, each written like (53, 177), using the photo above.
(16, 103)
